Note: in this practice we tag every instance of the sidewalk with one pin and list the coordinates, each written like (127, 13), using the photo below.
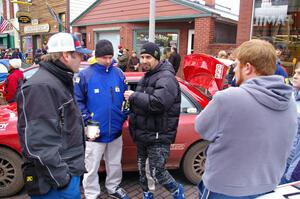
(131, 185)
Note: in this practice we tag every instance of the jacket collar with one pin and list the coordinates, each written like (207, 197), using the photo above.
(102, 67)
(59, 70)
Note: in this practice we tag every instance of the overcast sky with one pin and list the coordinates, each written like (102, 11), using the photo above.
(233, 4)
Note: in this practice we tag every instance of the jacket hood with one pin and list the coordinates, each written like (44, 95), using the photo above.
(162, 66)
(269, 91)
(297, 94)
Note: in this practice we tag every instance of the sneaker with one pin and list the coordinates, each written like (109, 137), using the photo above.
(179, 193)
(119, 194)
(147, 195)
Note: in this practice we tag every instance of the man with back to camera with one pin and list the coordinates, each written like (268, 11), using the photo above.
(50, 125)
(153, 121)
(250, 127)
(99, 93)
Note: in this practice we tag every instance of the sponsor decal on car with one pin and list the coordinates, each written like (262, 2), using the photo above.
(3, 126)
(219, 71)
(177, 147)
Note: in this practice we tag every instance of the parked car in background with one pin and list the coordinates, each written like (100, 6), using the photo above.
(187, 153)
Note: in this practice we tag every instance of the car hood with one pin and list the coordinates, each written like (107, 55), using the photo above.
(205, 71)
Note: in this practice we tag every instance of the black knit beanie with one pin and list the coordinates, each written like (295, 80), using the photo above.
(104, 47)
(151, 49)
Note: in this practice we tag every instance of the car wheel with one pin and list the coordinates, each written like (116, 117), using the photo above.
(193, 162)
(11, 178)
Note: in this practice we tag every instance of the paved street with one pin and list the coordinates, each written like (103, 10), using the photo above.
(130, 184)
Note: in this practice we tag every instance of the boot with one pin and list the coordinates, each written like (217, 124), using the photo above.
(147, 195)
(179, 193)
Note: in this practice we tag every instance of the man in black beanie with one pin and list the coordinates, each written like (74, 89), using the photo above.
(153, 121)
(99, 93)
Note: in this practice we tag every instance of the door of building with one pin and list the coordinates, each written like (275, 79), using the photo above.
(112, 36)
(190, 49)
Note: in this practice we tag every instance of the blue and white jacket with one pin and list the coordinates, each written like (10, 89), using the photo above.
(293, 163)
(99, 92)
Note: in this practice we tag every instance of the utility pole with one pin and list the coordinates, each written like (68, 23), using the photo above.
(152, 21)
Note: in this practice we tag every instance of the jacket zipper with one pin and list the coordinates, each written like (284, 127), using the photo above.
(110, 110)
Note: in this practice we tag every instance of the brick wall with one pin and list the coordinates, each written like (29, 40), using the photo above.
(203, 37)
(244, 24)
(4, 9)
(204, 34)
(127, 34)
(11, 10)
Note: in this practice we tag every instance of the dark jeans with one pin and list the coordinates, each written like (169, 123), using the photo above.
(157, 154)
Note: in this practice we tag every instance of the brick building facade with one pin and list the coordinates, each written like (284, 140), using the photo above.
(35, 35)
(190, 26)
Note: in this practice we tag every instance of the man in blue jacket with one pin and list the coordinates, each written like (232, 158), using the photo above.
(292, 172)
(99, 93)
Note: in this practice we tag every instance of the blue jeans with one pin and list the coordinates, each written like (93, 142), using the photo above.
(72, 191)
(204, 193)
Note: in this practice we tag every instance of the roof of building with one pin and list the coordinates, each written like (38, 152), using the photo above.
(124, 11)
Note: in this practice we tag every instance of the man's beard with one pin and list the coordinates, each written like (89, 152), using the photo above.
(240, 80)
(146, 67)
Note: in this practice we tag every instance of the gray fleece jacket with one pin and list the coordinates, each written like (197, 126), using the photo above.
(251, 129)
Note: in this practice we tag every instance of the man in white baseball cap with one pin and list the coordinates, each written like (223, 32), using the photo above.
(50, 125)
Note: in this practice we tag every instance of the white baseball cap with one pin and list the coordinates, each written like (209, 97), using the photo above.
(15, 63)
(65, 42)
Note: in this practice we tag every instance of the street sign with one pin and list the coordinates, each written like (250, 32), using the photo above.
(24, 19)
(37, 28)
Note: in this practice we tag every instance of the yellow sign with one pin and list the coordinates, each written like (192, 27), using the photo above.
(37, 28)
(22, 2)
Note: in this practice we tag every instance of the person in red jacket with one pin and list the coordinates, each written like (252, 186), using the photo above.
(13, 79)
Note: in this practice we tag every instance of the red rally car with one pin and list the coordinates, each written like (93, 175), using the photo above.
(206, 76)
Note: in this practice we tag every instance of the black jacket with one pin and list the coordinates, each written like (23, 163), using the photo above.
(175, 61)
(50, 127)
(155, 106)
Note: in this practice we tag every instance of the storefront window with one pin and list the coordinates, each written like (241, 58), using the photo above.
(27, 48)
(163, 39)
(279, 22)
(62, 17)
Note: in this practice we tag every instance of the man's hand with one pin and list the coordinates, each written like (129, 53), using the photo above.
(127, 94)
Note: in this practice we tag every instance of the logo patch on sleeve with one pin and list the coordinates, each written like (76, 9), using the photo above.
(117, 89)
(96, 90)
(77, 80)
